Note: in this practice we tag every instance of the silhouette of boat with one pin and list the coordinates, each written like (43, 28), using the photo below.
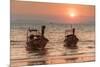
(71, 40)
(36, 41)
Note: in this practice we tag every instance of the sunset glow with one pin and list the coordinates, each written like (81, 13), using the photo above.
(62, 13)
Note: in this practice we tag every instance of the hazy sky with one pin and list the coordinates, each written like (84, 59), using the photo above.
(50, 12)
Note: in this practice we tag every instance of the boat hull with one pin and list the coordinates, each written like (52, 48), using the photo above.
(36, 44)
(71, 41)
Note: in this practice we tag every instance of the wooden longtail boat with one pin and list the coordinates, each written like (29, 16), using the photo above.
(71, 40)
(36, 41)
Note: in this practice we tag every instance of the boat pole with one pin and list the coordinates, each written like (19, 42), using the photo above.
(27, 34)
(42, 30)
(73, 30)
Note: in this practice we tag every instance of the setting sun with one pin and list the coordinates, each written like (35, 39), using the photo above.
(72, 14)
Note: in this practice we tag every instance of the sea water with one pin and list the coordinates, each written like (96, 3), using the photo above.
(55, 52)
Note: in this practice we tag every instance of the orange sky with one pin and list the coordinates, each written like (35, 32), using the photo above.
(82, 12)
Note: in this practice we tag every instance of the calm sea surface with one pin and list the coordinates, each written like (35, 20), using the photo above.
(54, 52)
